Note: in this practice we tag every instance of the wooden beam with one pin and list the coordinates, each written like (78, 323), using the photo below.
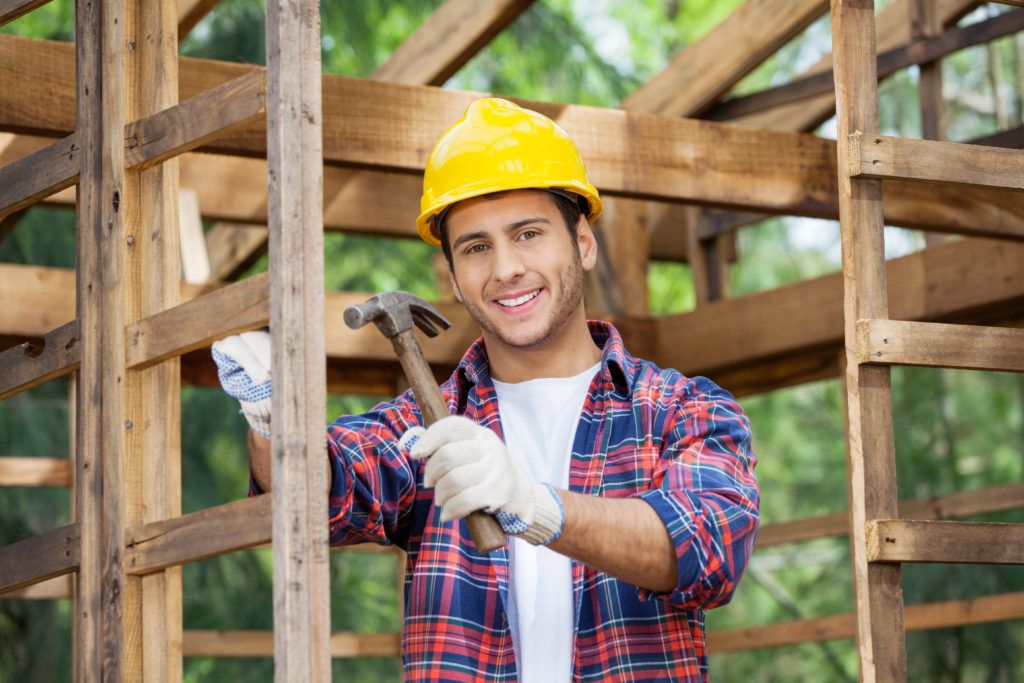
(261, 644)
(710, 66)
(57, 588)
(466, 26)
(937, 345)
(28, 180)
(190, 13)
(30, 364)
(881, 156)
(922, 617)
(195, 263)
(12, 9)
(234, 248)
(34, 471)
(959, 504)
(893, 31)
(902, 540)
(922, 51)
(154, 546)
(871, 459)
(38, 558)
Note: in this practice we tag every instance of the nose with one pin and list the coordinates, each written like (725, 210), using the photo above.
(508, 263)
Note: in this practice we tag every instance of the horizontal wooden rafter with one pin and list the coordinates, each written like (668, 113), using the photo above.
(634, 155)
(901, 540)
(959, 504)
(29, 364)
(12, 9)
(39, 558)
(923, 617)
(39, 175)
(34, 471)
(881, 156)
(198, 535)
(261, 644)
(940, 345)
(889, 62)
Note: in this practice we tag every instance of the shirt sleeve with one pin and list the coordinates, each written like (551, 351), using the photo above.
(705, 492)
(373, 483)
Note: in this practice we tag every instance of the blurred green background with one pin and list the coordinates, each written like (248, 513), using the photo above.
(954, 430)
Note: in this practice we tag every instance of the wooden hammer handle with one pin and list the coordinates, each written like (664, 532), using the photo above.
(487, 533)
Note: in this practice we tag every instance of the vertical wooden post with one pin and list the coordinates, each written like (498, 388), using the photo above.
(295, 161)
(153, 275)
(100, 439)
(708, 266)
(871, 456)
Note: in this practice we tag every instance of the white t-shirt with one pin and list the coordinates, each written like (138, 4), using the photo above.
(539, 418)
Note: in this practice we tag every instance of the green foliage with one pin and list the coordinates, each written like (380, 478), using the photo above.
(954, 430)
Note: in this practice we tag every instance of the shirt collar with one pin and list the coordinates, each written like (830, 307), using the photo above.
(617, 364)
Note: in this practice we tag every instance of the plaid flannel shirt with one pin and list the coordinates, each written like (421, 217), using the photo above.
(681, 444)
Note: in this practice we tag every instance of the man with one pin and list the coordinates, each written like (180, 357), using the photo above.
(628, 491)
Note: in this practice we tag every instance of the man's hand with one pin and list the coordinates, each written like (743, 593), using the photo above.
(470, 469)
(243, 366)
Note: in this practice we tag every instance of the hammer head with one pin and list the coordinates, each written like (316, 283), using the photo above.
(396, 312)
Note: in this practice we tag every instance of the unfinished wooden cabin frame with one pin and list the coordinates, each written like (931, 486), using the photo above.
(137, 140)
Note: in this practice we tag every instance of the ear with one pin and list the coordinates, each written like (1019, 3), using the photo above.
(455, 286)
(586, 242)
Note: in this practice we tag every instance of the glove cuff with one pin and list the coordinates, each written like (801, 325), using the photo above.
(257, 414)
(548, 516)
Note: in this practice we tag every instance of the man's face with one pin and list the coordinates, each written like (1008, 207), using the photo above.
(515, 266)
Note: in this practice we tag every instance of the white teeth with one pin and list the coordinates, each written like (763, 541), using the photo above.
(518, 301)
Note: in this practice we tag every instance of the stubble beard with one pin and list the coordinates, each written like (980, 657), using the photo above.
(571, 287)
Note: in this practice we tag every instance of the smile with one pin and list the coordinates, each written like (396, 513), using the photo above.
(519, 300)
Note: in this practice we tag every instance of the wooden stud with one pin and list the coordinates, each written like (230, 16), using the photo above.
(902, 540)
(295, 200)
(40, 557)
(938, 345)
(871, 455)
(34, 471)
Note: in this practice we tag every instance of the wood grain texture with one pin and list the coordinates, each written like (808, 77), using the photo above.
(261, 644)
(40, 557)
(153, 546)
(34, 471)
(711, 65)
(881, 156)
(871, 456)
(901, 540)
(32, 363)
(938, 345)
(37, 176)
(922, 617)
(466, 26)
(294, 142)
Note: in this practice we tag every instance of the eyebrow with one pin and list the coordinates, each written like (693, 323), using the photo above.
(508, 228)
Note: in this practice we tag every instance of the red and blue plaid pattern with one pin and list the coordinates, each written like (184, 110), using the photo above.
(681, 444)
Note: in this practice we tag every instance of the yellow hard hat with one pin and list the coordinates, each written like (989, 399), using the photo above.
(497, 146)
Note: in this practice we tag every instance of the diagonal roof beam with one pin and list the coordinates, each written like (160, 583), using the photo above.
(190, 13)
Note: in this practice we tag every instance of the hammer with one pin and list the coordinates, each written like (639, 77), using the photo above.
(394, 314)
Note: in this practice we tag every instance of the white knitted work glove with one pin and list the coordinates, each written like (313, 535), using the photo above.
(243, 366)
(470, 469)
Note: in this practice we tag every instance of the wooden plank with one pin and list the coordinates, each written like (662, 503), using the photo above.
(195, 263)
(154, 546)
(467, 26)
(38, 558)
(57, 588)
(12, 9)
(34, 471)
(294, 143)
(924, 51)
(870, 452)
(881, 156)
(627, 154)
(711, 65)
(37, 176)
(190, 13)
(893, 31)
(937, 345)
(199, 322)
(902, 540)
(960, 504)
(924, 24)
(922, 617)
(261, 644)
(30, 364)
(233, 248)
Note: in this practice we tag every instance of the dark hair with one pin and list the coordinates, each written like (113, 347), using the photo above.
(571, 206)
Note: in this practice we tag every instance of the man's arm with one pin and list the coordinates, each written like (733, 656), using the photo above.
(623, 537)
